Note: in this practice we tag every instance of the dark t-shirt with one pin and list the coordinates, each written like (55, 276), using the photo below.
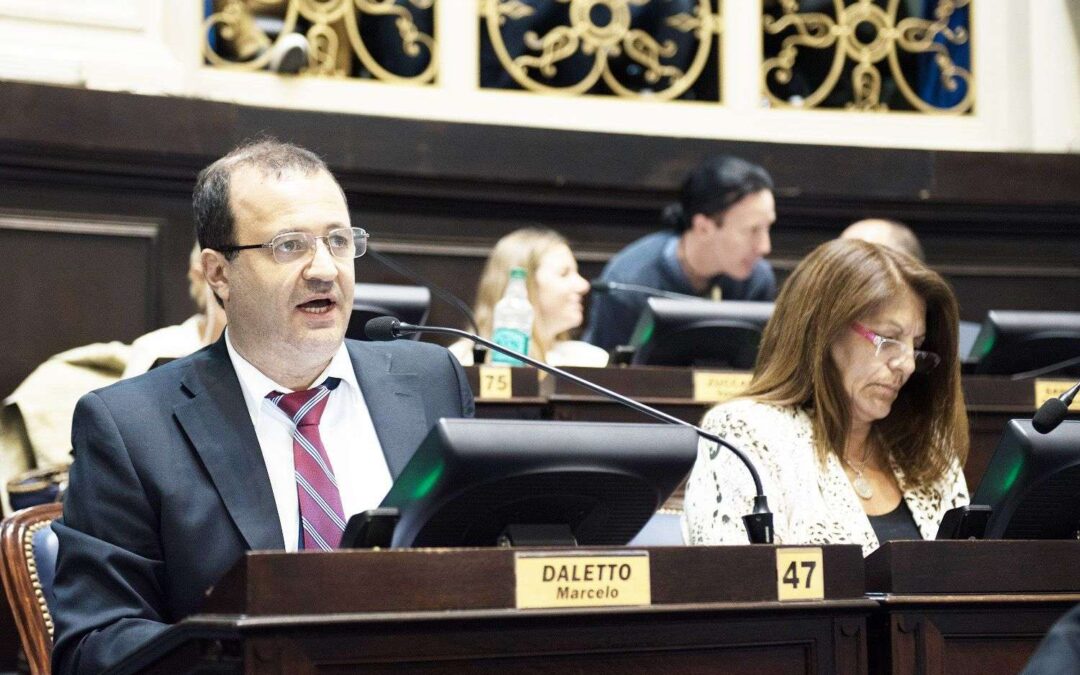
(653, 261)
(896, 524)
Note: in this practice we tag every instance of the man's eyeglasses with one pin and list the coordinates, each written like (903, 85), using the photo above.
(894, 350)
(345, 242)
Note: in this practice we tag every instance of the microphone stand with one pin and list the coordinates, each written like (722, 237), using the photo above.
(618, 286)
(759, 523)
(440, 292)
(479, 354)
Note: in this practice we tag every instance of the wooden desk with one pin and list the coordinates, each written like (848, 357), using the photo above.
(967, 606)
(451, 610)
(991, 402)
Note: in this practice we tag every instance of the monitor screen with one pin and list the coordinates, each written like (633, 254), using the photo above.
(405, 303)
(1012, 342)
(700, 333)
(471, 481)
(1033, 483)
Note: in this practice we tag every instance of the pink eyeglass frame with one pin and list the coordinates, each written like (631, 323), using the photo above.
(928, 360)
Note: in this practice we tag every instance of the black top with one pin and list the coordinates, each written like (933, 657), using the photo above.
(896, 524)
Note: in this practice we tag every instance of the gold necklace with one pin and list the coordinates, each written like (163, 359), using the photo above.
(863, 488)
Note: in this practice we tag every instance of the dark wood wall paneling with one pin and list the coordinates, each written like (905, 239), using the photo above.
(75, 282)
(1005, 228)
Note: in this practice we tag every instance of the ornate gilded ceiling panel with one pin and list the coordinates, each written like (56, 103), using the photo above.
(658, 49)
(389, 40)
(868, 55)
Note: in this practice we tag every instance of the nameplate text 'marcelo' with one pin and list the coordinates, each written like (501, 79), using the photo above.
(545, 580)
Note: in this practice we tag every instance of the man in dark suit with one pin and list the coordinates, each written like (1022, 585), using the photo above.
(268, 439)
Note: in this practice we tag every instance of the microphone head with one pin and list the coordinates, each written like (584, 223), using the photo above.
(599, 286)
(382, 329)
(1049, 415)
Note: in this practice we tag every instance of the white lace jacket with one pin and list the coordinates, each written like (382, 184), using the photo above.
(812, 505)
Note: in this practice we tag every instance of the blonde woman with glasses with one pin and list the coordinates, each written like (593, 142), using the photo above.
(854, 415)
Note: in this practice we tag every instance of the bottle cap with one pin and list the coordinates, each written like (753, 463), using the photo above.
(518, 273)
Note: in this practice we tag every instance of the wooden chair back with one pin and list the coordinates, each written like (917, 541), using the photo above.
(27, 572)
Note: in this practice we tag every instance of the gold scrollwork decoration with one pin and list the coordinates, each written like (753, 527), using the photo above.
(819, 30)
(332, 29)
(600, 41)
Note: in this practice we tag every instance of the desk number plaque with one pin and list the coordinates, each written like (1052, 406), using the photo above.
(496, 382)
(800, 574)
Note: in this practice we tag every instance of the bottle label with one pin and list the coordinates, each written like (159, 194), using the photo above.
(511, 339)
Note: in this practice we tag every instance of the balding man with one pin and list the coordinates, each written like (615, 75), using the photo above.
(270, 438)
(891, 233)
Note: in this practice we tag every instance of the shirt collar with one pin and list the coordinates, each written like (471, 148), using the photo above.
(255, 385)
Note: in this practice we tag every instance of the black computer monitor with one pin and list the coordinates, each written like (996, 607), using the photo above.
(473, 481)
(1033, 483)
(406, 303)
(699, 333)
(1013, 342)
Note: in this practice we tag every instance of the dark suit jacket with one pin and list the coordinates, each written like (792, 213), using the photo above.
(1059, 651)
(168, 488)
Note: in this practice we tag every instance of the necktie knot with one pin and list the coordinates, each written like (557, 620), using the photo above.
(305, 408)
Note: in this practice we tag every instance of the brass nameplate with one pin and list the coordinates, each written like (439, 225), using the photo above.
(496, 382)
(1047, 389)
(800, 574)
(714, 387)
(545, 580)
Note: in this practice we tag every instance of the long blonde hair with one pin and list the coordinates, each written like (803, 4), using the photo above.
(521, 248)
(840, 282)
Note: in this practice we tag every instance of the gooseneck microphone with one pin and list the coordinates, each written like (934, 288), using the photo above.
(759, 523)
(601, 286)
(1053, 411)
(437, 290)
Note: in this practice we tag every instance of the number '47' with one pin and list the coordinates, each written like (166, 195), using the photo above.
(791, 574)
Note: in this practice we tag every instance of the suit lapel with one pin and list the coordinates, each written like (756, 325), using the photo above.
(393, 400)
(217, 423)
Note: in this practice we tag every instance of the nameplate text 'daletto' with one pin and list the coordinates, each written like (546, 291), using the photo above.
(582, 580)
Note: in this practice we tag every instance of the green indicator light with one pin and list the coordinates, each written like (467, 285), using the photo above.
(428, 482)
(1010, 478)
(646, 335)
(1004, 481)
(983, 344)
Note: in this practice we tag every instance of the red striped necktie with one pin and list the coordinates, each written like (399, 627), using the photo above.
(322, 520)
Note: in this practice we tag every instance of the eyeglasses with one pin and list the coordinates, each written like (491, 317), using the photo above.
(894, 350)
(345, 243)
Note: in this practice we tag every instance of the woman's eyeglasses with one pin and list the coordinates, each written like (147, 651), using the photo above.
(893, 350)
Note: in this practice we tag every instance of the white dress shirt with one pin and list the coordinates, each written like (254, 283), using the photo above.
(346, 429)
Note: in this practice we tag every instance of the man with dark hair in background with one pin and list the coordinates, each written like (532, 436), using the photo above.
(715, 248)
(270, 438)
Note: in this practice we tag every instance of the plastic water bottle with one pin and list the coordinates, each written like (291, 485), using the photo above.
(513, 319)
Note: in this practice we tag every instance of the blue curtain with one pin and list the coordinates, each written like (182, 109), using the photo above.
(208, 9)
(931, 89)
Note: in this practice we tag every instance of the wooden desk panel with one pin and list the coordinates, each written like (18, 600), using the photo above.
(825, 637)
(991, 402)
(989, 635)
(714, 610)
(967, 606)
